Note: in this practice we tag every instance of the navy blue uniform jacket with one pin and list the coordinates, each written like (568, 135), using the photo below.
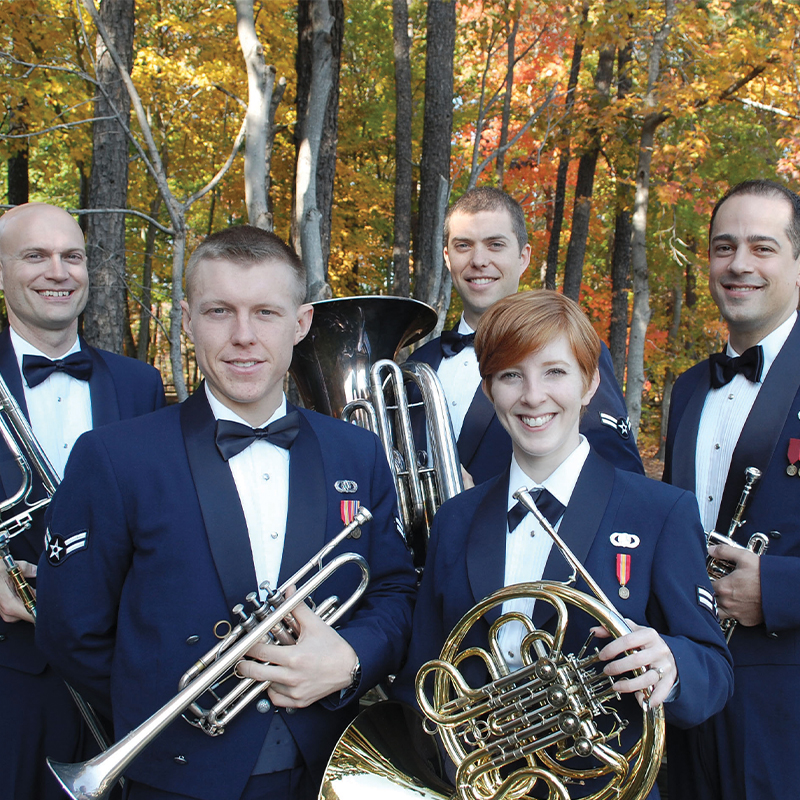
(168, 555)
(749, 750)
(484, 446)
(40, 717)
(466, 562)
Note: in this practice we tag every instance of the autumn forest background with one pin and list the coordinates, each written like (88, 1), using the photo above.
(349, 126)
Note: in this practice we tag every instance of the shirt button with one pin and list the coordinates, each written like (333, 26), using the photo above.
(710, 499)
(453, 402)
(511, 654)
(274, 535)
(265, 476)
(65, 445)
(730, 397)
(716, 446)
(59, 399)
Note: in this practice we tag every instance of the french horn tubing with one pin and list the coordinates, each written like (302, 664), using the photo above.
(545, 730)
(271, 620)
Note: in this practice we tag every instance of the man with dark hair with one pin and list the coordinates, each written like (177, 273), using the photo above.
(63, 387)
(736, 410)
(199, 505)
(486, 250)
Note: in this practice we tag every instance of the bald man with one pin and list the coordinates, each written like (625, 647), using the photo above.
(64, 388)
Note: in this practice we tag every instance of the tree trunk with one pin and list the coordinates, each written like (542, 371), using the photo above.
(104, 319)
(18, 180)
(260, 82)
(641, 286)
(669, 377)
(146, 301)
(560, 194)
(582, 207)
(401, 252)
(501, 156)
(435, 162)
(621, 253)
(320, 30)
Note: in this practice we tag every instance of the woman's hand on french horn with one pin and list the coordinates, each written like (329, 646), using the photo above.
(320, 663)
(642, 648)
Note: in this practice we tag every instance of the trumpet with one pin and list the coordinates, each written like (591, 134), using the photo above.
(23, 445)
(271, 620)
(757, 543)
(546, 727)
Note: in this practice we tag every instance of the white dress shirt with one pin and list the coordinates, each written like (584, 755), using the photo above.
(528, 545)
(59, 408)
(724, 414)
(460, 379)
(261, 475)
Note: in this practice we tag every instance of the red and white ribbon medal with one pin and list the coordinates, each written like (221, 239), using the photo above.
(623, 574)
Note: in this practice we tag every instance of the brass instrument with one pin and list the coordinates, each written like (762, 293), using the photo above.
(272, 620)
(23, 445)
(757, 543)
(344, 368)
(547, 727)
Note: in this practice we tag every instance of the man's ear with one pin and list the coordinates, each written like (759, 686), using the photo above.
(186, 320)
(305, 313)
(446, 257)
(524, 260)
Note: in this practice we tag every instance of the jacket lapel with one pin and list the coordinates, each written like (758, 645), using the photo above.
(10, 370)
(306, 524)
(683, 469)
(219, 501)
(476, 421)
(579, 525)
(486, 544)
(757, 441)
(105, 406)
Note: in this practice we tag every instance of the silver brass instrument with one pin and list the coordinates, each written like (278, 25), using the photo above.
(547, 727)
(757, 543)
(23, 445)
(272, 620)
(344, 368)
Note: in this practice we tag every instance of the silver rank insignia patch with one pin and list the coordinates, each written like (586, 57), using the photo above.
(346, 487)
(59, 548)
(622, 424)
(628, 540)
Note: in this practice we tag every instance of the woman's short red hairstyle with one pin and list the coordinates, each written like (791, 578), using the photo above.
(523, 323)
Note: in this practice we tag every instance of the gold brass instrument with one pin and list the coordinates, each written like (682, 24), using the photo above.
(344, 368)
(23, 445)
(271, 620)
(757, 543)
(546, 728)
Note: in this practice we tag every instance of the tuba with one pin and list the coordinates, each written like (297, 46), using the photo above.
(271, 620)
(344, 368)
(757, 543)
(544, 730)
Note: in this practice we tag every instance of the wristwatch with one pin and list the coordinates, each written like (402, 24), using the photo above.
(355, 674)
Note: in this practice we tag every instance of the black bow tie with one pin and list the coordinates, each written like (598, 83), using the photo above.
(550, 507)
(233, 437)
(39, 368)
(454, 342)
(724, 368)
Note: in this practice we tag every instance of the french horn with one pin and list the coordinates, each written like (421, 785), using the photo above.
(345, 368)
(550, 729)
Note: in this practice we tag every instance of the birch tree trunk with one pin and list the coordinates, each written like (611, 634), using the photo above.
(501, 157)
(104, 318)
(641, 286)
(320, 28)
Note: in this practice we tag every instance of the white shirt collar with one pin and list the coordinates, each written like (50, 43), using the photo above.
(771, 344)
(22, 347)
(560, 483)
(463, 326)
(221, 411)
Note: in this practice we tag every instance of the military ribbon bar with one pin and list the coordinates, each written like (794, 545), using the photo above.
(349, 510)
(623, 574)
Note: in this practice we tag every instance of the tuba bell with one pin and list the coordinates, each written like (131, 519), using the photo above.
(549, 729)
(344, 368)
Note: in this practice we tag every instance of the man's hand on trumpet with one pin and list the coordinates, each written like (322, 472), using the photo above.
(739, 593)
(12, 609)
(643, 647)
(319, 664)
